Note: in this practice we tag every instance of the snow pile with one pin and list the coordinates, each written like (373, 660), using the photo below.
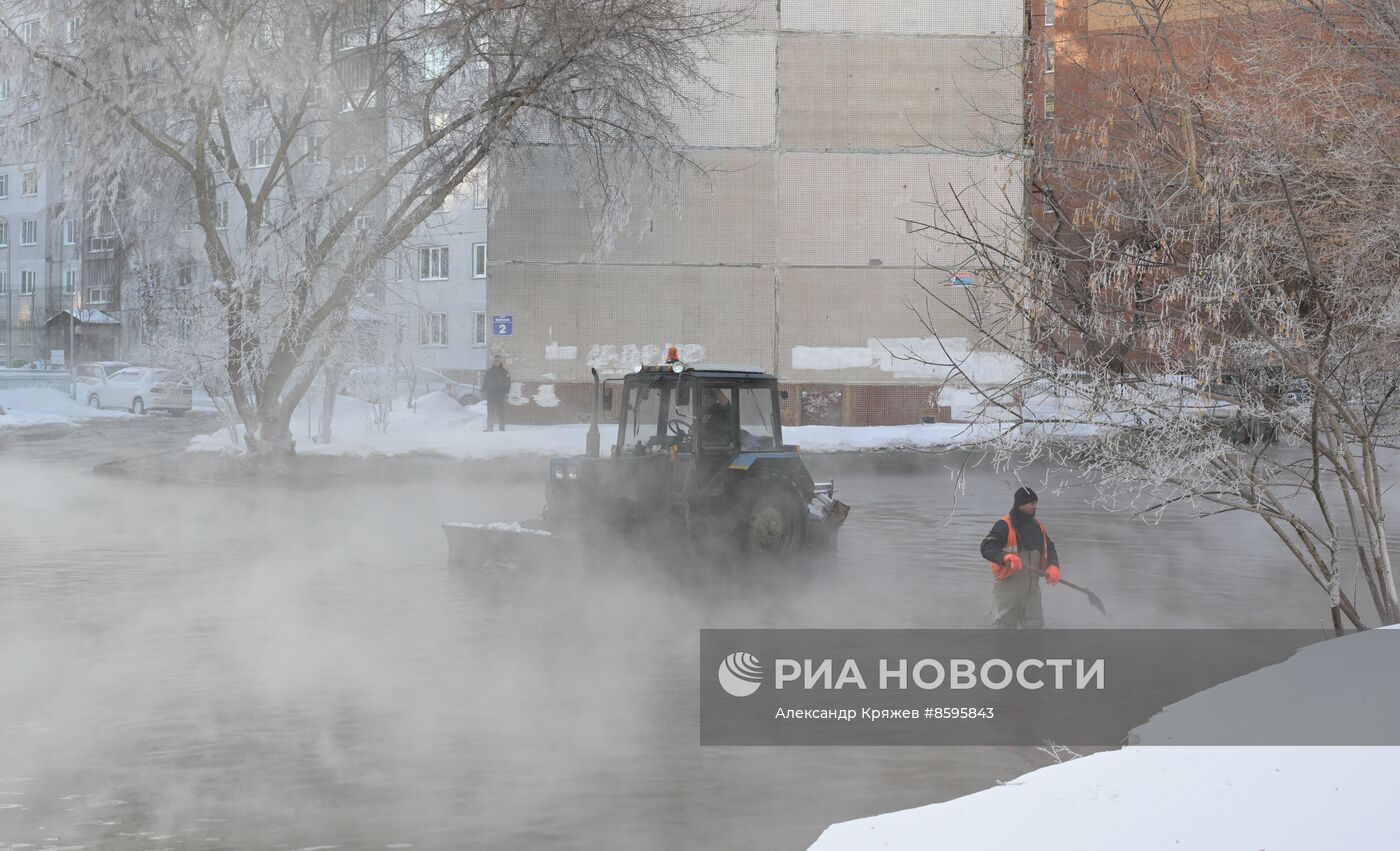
(438, 425)
(31, 406)
(435, 425)
(501, 527)
(1224, 796)
(1158, 797)
(873, 438)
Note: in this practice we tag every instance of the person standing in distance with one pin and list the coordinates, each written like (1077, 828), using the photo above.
(495, 386)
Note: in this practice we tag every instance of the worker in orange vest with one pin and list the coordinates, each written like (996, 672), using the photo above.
(1019, 541)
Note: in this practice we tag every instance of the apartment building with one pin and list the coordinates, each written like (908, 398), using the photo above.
(72, 279)
(839, 123)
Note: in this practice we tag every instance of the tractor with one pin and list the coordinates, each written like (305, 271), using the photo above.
(699, 461)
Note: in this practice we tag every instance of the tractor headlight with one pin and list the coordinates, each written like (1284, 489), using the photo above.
(558, 471)
(571, 471)
(678, 367)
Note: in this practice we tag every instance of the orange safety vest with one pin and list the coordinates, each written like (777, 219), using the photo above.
(1000, 572)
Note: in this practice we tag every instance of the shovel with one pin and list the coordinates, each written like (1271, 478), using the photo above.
(1093, 598)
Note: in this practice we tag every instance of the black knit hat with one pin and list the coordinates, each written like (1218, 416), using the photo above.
(1024, 496)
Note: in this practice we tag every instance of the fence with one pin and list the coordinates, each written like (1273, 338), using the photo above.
(58, 379)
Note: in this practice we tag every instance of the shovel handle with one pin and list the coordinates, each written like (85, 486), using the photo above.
(1093, 598)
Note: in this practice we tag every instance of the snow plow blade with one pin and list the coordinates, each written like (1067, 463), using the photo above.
(509, 545)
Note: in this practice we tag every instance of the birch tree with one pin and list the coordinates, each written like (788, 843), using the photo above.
(292, 145)
(1204, 306)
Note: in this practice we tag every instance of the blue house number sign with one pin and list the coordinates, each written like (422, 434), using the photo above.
(502, 326)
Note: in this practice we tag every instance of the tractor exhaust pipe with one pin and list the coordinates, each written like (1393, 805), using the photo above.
(591, 448)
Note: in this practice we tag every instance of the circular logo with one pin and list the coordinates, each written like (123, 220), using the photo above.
(740, 674)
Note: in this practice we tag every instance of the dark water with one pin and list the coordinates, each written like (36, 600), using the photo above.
(191, 667)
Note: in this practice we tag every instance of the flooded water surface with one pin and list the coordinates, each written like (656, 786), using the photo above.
(190, 666)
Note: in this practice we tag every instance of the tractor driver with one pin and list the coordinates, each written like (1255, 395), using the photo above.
(718, 430)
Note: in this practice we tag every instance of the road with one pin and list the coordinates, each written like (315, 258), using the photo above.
(208, 667)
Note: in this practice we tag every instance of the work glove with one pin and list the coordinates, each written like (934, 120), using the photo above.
(1052, 574)
(1009, 565)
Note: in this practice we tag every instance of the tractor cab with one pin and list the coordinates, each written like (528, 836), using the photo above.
(716, 412)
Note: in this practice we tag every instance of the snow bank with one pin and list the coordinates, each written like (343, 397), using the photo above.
(871, 438)
(443, 427)
(30, 406)
(1226, 796)
(1158, 797)
(438, 425)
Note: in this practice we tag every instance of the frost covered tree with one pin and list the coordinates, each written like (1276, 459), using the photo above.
(1202, 298)
(292, 145)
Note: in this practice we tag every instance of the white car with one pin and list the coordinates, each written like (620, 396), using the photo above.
(140, 389)
(376, 384)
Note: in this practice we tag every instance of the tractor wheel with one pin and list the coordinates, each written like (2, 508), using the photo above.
(770, 518)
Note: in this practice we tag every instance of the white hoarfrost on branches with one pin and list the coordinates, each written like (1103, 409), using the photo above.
(1208, 310)
(260, 162)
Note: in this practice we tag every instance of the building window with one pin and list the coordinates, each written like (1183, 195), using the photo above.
(29, 32)
(100, 295)
(1049, 104)
(262, 152)
(355, 163)
(478, 259)
(4, 89)
(70, 231)
(72, 29)
(1049, 58)
(478, 329)
(221, 214)
(29, 232)
(27, 277)
(314, 147)
(4, 234)
(70, 281)
(480, 194)
(29, 183)
(4, 287)
(4, 186)
(102, 244)
(432, 329)
(432, 263)
(1049, 13)
(28, 132)
(434, 62)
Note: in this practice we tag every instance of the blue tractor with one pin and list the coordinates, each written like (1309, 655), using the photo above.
(699, 459)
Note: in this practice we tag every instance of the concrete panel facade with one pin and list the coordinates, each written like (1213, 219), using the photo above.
(725, 216)
(845, 209)
(737, 107)
(569, 318)
(838, 120)
(844, 92)
(923, 17)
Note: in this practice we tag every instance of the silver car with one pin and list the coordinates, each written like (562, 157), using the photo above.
(381, 384)
(140, 389)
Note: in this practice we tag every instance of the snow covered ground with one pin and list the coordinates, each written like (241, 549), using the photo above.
(440, 426)
(1178, 796)
(31, 406)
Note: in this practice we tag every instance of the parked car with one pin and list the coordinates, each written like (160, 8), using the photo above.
(99, 371)
(140, 389)
(373, 383)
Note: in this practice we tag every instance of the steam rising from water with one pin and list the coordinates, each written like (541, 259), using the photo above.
(253, 667)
